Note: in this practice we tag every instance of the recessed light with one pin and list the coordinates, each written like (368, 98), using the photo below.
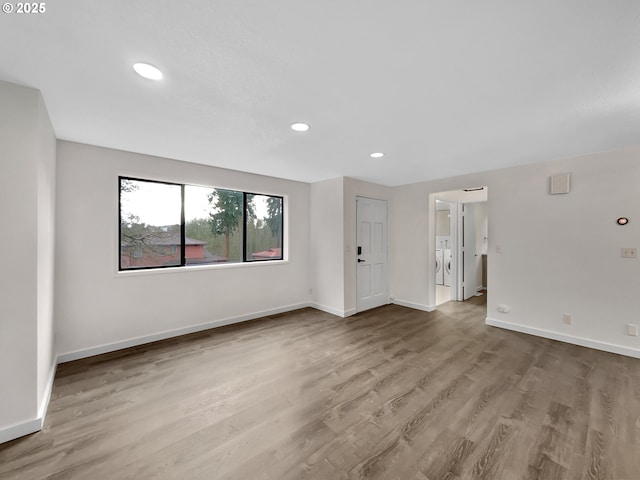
(300, 127)
(377, 155)
(147, 71)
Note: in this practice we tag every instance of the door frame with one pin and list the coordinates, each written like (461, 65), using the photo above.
(455, 198)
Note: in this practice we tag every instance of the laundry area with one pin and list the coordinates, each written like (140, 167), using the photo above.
(443, 251)
(461, 239)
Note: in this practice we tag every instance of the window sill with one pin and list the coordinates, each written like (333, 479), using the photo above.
(197, 268)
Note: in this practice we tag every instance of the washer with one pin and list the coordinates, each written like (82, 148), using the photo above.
(439, 269)
(446, 261)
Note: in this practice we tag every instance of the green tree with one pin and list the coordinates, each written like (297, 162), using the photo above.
(227, 214)
(199, 229)
(274, 219)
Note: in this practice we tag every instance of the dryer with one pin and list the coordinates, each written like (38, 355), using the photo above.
(446, 266)
(439, 267)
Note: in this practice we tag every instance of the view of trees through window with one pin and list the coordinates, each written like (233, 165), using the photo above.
(220, 225)
(264, 230)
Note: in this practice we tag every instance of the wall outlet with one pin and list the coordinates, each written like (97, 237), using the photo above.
(498, 248)
(628, 252)
(567, 319)
(632, 330)
(504, 308)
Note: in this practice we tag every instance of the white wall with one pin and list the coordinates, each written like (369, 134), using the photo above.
(99, 309)
(45, 145)
(27, 163)
(561, 253)
(326, 245)
(481, 227)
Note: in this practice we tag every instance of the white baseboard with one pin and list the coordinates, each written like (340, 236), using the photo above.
(333, 311)
(583, 342)
(133, 342)
(34, 425)
(21, 429)
(415, 306)
(46, 396)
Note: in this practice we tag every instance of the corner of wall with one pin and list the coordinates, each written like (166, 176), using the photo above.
(327, 245)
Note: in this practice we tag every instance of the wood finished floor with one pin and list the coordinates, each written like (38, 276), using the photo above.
(393, 393)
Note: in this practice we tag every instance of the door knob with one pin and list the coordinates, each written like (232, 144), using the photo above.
(360, 260)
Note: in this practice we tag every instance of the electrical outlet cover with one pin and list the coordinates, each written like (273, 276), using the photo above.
(628, 252)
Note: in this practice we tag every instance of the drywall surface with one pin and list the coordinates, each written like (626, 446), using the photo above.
(18, 280)
(98, 306)
(45, 144)
(27, 163)
(326, 245)
(559, 253)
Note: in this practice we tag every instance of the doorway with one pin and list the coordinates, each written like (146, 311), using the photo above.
(371, 254)
(459, 242)
(445, 239)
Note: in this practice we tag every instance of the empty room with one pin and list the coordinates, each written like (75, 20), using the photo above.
(320, 240)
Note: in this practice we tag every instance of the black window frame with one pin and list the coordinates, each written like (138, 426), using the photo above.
(245, 229)
(183, 226)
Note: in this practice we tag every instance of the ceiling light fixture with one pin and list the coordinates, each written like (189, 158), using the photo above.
(147, 71)
(300, 127)
(377, 155)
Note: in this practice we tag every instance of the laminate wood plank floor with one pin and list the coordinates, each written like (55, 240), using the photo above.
(392, 393)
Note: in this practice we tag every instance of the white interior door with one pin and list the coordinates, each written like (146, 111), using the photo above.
(371, 253)
(469, 254)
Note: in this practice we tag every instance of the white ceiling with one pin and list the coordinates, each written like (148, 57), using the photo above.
(442, 87)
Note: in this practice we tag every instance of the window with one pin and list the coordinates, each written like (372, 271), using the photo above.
(166, 225)
(263, 230)
(150, 214)
(216, 216)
